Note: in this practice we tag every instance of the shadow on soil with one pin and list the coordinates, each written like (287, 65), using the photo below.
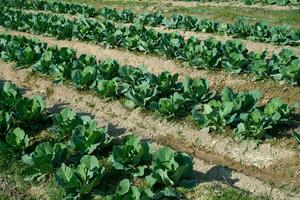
(285, 131)
(57, 107)
(216, 173)
(115, 131)
(60, 106)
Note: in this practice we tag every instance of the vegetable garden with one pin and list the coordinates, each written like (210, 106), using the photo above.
(72, 143)
(86, 160)
(251, 2)
(281, 35)
(161, 93)
(231, 55)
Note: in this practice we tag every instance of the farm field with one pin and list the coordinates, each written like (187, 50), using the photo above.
(138, 100)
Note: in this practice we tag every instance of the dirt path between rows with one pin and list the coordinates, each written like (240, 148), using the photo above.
(235, 4)
(211, 166)
(218, 79)
(250, 45)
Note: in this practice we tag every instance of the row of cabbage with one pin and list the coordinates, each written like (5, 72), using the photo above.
(82, 155)
(161, 93)
(232, 55)
(259, 31)
(251, 2)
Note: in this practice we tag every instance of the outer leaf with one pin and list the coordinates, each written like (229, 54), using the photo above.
(17, 139)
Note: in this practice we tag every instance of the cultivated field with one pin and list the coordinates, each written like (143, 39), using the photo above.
(152, 99)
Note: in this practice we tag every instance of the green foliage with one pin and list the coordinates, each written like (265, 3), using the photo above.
(132, 76)
(29, 55)
(126, 192)
(278, 111)
(30, 109)
(166, 83)
(197, 91)
(18, 115)
(216, 115)
(132, 156)
(87, 137)
(80, 136)
(272, 2)
(210, 54)
(162, 93)
(227, 112)
(172, 107)
(45, 158)
(84, 72)
(291, 72)
(141, 95)
(17, 139)
(82, 179)
(75, 141)
(242, 101)
(65, 122)
(6, 120)
(256, 123)
(169, 168)
(9, 95)
(108, 88)
(26, 109)
(108, 69)
(259, 31)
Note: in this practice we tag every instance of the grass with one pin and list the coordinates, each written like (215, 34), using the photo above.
(226, 193)
(223, 14)
(229, 14)
(118, 4)
(13, 186)
(216, 191)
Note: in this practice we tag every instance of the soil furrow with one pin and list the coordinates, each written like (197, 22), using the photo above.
(250, 45)
(218, 79)
(123, 120)
(244, 157)
(254, 46)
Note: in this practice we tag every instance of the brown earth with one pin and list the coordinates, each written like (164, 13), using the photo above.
(9, 188)
(225, 153)
(273, 174)
(217, 79)
(250, 45)
(254, 46)
(230, 4)
(276, 165)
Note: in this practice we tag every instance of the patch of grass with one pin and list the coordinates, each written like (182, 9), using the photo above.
(13, 186)
(230, 14)
(118, 3)
(233, 194)
(222, 13)
(215, 191)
